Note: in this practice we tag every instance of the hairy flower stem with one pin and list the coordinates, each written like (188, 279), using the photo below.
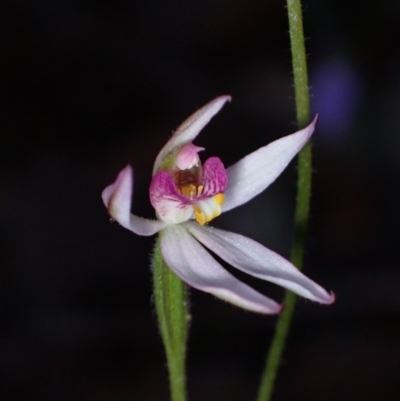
(302, 97)
(170, 295)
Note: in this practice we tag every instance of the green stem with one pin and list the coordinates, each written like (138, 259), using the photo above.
(170, 295)
(303, 196)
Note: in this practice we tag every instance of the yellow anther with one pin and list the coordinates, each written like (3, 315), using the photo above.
(188, 191)
(220, 198)
(199, 190)
(199, 215)
(208, 209)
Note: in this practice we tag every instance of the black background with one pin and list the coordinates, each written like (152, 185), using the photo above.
(89, 86)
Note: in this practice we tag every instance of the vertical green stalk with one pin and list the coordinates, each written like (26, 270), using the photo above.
(302, 97)
(170, 295)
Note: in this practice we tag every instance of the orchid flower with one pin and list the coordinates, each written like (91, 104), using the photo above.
(186, 195)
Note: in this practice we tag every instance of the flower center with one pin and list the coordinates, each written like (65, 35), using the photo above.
(191, 191)
(187, 183)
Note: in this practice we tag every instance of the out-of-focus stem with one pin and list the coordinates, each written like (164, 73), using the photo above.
(302, 98)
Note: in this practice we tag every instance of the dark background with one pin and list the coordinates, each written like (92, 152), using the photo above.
(89, 86)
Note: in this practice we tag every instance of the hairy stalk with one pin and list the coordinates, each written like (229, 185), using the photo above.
(302, 97)
(170, 295)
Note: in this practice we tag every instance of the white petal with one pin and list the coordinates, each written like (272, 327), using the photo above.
(253, 258)
(255, 172)
(191, 127)
(117, 199)
(194, 265)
